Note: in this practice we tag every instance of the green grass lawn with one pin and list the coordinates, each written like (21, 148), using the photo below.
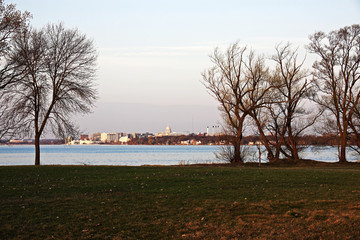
(205, 202)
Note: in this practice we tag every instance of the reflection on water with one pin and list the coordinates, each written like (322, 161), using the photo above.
(139, 155)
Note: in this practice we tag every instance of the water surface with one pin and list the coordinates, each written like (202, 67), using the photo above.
(138, 155)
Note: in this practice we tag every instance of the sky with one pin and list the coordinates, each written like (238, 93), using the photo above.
(152, 53)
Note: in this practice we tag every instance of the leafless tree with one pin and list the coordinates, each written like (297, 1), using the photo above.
(11, 22)
(337, 75)
(285, 117)
(239, 82)
(58, 69)
(355, 128)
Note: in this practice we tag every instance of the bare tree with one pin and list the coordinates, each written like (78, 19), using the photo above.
(58, 68)
(239, 82)
(355, 128)
(286, 116)
(337, 75)
(11, 22)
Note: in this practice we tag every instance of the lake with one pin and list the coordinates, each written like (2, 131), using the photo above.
(137, 155)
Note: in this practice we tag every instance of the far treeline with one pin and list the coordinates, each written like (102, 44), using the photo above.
(303, 141)
(280, 101)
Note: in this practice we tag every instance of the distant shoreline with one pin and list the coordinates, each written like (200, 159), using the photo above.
(187, 140)
(114, 144)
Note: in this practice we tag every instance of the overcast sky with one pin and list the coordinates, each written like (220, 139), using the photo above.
(152, 53)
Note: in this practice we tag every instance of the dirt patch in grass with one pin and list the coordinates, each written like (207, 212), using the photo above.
(294, 224)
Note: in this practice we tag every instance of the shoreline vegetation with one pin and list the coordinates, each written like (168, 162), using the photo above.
(180, 202)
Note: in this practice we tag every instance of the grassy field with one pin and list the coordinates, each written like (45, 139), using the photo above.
(88, 202)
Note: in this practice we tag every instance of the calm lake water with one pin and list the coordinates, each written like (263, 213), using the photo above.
(137, 155)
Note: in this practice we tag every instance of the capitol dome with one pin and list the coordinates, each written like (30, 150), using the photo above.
(168, 130)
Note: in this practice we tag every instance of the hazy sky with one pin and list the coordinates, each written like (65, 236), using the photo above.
(152, 53)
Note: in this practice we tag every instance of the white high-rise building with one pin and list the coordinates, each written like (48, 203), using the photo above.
(110, 137)
(103, 137)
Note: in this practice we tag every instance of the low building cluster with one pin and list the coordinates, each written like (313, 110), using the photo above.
(98, 138)
(109, 138)
(191, 142)
(125, 138)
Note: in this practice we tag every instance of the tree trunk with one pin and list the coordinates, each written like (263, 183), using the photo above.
(37, 149)
(265, 141)
(237, 158)
(295, 154)
(342, 155)
(294, 150)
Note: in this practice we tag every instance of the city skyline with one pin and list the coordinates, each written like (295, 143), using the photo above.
(152, 53)
(209, 131)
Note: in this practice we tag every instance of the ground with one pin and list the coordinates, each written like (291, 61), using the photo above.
(180, 202)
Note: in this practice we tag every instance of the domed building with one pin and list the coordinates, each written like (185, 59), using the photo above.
(168, 130)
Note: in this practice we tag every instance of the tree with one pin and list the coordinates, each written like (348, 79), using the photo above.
(11, 22)
(57, 80)
(239, 82)
(355, 129)
(285, 118)
(337, 76)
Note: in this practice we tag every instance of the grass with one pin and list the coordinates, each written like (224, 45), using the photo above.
(205, 202)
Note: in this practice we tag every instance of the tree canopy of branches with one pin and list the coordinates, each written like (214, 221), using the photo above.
(239, 81)
(285, 118)
(11, 22)
(337, 76)
(273, 100)
(57, 69)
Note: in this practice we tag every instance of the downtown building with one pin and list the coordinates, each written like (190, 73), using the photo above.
(114, 138)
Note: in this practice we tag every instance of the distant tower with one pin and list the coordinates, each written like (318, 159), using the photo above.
(168, 130)
(207, 131)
